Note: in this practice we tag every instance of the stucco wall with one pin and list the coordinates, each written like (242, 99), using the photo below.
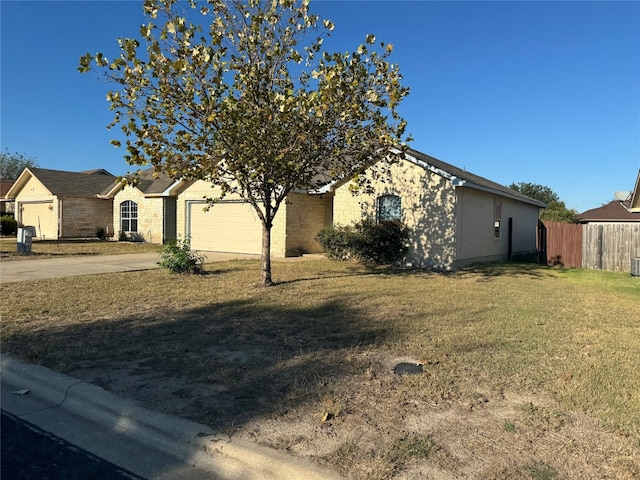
(82, 216)
(428, 205)
(201, 190)
(305, 218)
(150, 214)
(475, 232)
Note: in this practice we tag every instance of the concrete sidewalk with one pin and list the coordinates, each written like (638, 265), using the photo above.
(147, 443)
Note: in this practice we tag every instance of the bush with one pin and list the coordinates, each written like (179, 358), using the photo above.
(382, 243)
(367, 241)
(337, 241)
(8, 225)
(178, 257)
(101, 233)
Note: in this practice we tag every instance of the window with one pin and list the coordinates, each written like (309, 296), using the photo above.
(129, 216)
(497, 218)
(389, 208)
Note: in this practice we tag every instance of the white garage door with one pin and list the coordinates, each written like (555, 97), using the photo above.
(43, 217)
(226, 227)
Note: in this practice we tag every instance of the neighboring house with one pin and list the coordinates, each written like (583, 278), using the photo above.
(62, 204)
(613, 212)
(146, 211)
(456, 218)
(626, 209)
(7, 205)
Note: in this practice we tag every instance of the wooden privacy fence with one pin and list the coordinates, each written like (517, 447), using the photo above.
(560, 243)
(610, 246)
(594, 246)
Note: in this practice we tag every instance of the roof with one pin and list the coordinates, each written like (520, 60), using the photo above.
(5, 185)
(61, 183)
(463, 178)
(150, 183)
(614, 211)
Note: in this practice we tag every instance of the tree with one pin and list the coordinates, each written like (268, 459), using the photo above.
(12, 164)
(556, 210)
(251, 103)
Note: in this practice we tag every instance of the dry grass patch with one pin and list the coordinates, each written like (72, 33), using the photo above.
(529, 372)
(61, 248)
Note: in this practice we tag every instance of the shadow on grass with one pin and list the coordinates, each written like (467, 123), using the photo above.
(222, 365)
(504, 269)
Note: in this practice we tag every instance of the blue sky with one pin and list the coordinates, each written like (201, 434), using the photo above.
(543, 92)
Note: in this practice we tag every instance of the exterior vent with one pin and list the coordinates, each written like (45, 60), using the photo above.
(635, 267)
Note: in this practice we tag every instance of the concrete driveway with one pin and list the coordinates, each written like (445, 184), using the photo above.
(22, 270)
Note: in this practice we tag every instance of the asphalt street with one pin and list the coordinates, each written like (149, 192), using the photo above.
(29, 453)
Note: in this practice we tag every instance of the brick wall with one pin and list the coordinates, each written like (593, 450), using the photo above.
(150, 214)
(305, 218)
(82, 216)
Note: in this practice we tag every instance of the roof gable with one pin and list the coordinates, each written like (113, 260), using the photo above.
(151, 184)
(61, 183)
(457, 177)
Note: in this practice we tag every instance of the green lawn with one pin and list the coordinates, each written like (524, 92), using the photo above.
(515, 356)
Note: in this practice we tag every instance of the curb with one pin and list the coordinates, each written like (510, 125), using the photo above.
(190, 444)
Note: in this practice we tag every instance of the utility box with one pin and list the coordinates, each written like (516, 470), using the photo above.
(635, 266)
(25, 239)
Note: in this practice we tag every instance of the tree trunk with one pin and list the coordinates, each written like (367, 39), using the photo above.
(265, 274)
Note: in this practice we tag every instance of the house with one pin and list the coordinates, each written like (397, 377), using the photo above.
(615, 211)
(625, 209)
(456, 217)
(7, 206)
(62, 204)
(146, 211)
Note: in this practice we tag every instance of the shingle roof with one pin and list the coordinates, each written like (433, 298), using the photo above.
(611, 212)
(474, 180)
(73, 183)
(150, 185)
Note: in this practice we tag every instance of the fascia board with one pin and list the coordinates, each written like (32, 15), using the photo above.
(20, 183)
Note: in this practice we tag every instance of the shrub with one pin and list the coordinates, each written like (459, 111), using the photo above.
(8, 225)
(337, 241)
(178, 257)
(367, 241)
(382, 243)
(101, 233)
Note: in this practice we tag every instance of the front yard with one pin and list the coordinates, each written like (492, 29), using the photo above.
(529, 372)
(57, 248)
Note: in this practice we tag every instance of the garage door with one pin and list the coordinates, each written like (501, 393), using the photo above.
(43, 217)
(226, 227)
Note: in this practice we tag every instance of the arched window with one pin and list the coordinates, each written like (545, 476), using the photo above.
(128, 216)
(389, 208)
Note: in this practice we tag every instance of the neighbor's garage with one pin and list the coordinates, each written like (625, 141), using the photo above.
(226, 227)
(42, 216)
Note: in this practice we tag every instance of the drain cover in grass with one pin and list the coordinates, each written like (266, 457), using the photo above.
(408, 368)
